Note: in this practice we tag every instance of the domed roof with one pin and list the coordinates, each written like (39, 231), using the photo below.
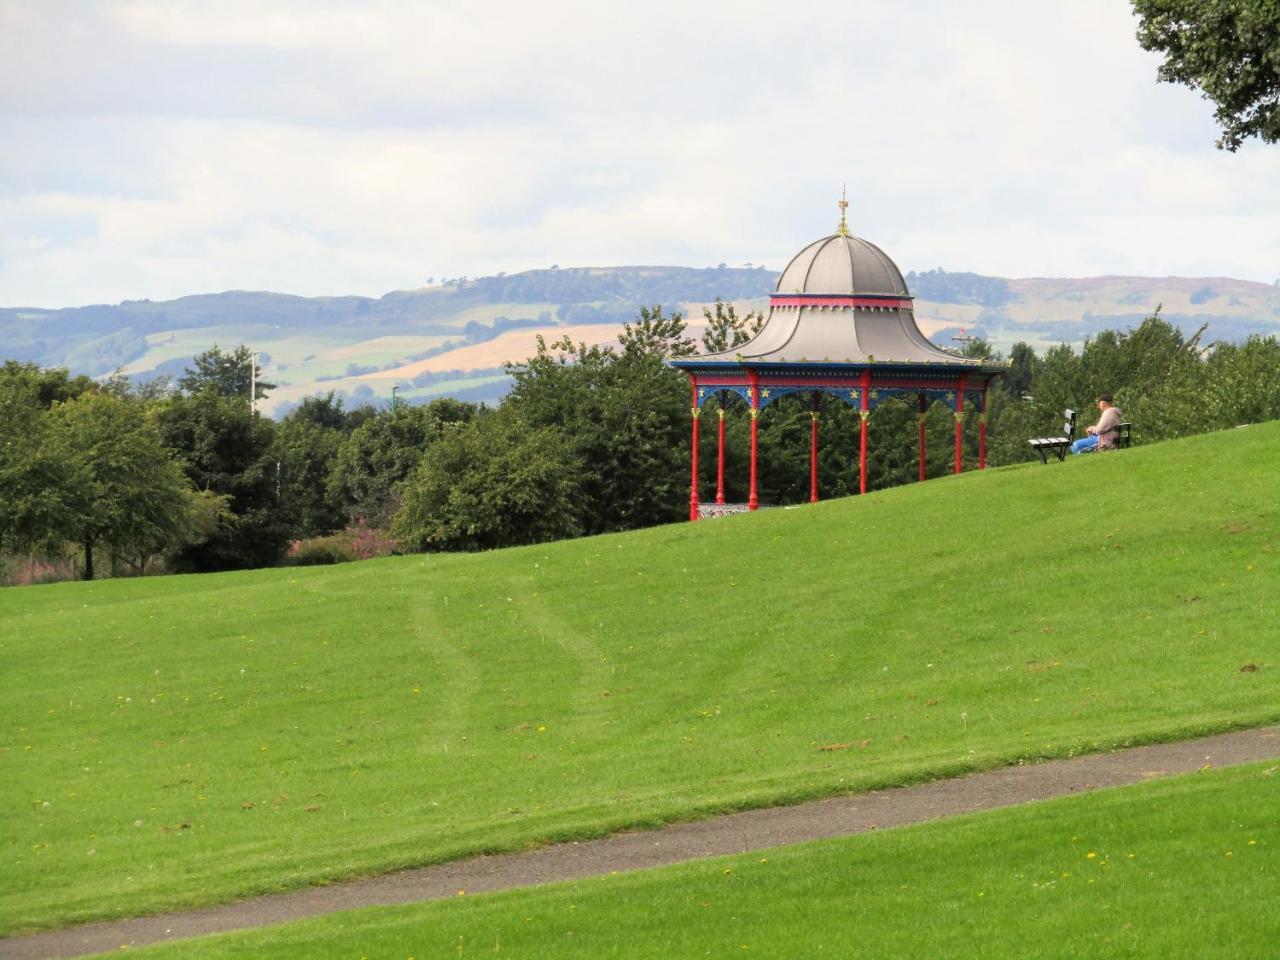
(845, 265)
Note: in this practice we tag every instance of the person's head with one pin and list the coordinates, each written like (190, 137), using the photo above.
(1105, 400)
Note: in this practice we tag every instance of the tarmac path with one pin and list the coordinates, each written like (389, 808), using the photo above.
(732, 833)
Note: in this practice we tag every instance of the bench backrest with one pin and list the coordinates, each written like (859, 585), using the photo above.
(1123, 435)
(1069, 427)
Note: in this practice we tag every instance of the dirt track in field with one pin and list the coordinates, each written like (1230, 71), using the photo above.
(733, 833)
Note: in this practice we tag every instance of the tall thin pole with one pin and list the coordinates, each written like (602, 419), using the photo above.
(253, 381)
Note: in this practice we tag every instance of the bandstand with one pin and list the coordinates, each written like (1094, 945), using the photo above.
(840, 324)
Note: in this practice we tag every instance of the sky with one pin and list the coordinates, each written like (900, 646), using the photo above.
(157, 148)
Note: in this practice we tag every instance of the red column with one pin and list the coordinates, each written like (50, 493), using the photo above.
(960, 426)
(693, 484)
(720, 450)
(922, 418)
(813, 449)
(982, 431)
(753, 501)
(864, 412)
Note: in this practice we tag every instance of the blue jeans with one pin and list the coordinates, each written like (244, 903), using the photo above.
(1084, 445)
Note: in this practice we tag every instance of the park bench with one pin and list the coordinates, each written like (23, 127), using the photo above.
(1057, 445)
(1123, 437)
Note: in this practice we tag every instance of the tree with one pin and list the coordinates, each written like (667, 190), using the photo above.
(1022, 364)
(306, 452)
(625, 416)
(726, 330)
(325, 412)
(383, 451)
(1230, 50)
(35, 481)
(493, 482)
(656, 334)
(41, 389)
(124, 490)
(227, 374)
(227, 450)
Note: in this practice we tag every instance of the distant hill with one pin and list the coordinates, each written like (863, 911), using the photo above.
(453, 338)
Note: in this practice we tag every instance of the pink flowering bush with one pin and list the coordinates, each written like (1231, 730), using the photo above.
(358, 541)
(25, 571)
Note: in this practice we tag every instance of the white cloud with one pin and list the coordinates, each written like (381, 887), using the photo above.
(171, 148)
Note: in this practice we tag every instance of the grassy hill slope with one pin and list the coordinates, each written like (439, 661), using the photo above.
(186, 739)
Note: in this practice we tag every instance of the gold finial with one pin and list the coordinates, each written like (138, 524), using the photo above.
(843, 229)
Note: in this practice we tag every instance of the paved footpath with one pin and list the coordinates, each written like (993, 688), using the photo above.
(733, 833)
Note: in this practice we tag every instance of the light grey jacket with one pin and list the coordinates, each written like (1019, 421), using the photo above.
(1106, 429)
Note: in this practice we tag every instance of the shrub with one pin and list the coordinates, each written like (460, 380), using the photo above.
(358, 542)
(318, 551)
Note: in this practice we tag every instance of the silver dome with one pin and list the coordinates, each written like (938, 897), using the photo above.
(842, 264)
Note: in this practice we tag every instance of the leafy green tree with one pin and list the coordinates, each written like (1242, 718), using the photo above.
(227, 374)
(383, 451)
(227, 450)
(1022, 368)
(625, 416)
(306, 453)
(40, 388)
(1243, 382)
(205, 513)
(725, 330)
(655, 334)
(124, 488)
(1230, 50)
(36, 496)
(493, 482)
(327, 411)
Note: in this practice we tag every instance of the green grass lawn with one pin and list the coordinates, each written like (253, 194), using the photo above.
(1182, 868)
(181, 740)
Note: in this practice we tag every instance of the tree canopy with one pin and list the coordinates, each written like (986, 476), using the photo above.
(226, 374)
(1228, 49)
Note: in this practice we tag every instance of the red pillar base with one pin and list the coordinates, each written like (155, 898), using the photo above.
(862, 451)
(693, 483)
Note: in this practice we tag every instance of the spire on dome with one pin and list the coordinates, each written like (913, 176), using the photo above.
(843, 204)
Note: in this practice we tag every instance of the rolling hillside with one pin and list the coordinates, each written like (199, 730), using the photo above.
(453, 339)
(177, 740)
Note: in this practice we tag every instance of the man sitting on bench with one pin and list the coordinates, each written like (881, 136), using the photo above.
(1102, 436)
